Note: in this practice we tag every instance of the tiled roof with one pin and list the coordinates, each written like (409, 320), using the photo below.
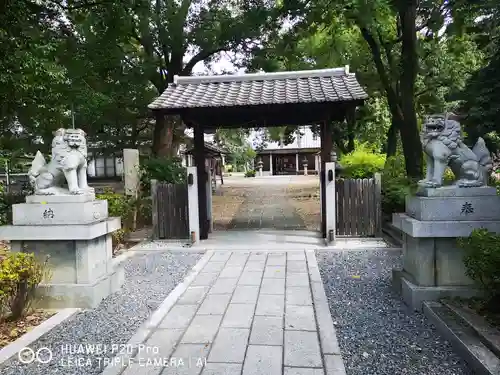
(307, 86)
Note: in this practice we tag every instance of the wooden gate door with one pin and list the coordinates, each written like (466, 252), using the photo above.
(170, 210)
(358, 207)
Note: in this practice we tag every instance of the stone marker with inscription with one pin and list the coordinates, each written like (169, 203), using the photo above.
(64, 220)
(432, 262)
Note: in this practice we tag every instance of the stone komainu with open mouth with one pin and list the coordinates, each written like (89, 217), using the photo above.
(68, 164)
(443, 146)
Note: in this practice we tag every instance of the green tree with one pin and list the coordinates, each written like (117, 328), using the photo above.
(165, 38)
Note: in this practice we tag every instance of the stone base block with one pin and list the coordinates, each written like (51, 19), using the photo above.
(59, 213)
(454, 208)
(446, 229)
(414, 296)
(61, 198)
(56, 296)
(455, 191)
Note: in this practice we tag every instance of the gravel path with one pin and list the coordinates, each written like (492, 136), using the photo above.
(149, 280)
(377, 333)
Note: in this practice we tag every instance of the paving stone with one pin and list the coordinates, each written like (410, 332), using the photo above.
(334, 365)
(297, 279)
(162, 342)
(302, 349)
(222, 369)
(255, 266)
(275, 272)
(231, 272)
(193, 358)
(315, 275)
(257, 256)
(298, 295)
(296, 266)
(276, 260)
(137, 368)
(179, 316)
(245, 294)
(238, 316)
(267, 330)
(193, 295)
(223, 286)
(300, 318)
(214, 304)
(202, 329)
(270, 304)
(272, 286)
(303, 371)
(263, 360)
(213, 266)
(221, 256)
(229, 345)
(205, 279)
(327, 332)
(237, 259)
(250, 278)
(296, 255)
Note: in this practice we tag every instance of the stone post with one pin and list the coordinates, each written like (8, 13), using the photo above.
(297, 163)
(271, 164)
(193, 209)
(330, 201)
(209, 200)
(304, 163)
(131, 171)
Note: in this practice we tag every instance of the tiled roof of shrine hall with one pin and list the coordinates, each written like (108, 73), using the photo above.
(307, 86)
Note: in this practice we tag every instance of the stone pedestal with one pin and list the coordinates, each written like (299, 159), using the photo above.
(75, 232)
(432, 262)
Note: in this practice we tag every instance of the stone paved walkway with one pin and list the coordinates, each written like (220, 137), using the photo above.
(245, 313)
(267, 207)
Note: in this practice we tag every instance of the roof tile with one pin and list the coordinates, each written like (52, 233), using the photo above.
(328, 85)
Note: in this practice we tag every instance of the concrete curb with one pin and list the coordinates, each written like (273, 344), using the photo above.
(119, 363)
(37, 332)
(327, 335)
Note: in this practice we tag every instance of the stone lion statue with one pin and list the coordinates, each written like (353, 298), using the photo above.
(68, 164)
(443, 146)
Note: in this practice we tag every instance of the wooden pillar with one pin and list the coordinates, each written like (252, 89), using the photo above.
(326, 150)
(199, 161)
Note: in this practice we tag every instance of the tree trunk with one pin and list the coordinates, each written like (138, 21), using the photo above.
(412, 147)
(392, 138)
(163, 135)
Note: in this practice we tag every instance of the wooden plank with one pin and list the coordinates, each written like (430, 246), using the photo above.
(160, 208)
(337, 207)
(369, 199)
(362, 199)
(372, 207)
(347, 211)
(154, 207)
(359, 207)
(340, 207)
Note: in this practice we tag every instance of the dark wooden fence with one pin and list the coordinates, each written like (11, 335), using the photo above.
(359, 209)
(170, 210)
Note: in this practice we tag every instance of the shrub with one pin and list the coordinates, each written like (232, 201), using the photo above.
(7, 199)
(482, 262)
(362, 163)
(250, 173)
(20, 274)
(395, 185)
(168, 170)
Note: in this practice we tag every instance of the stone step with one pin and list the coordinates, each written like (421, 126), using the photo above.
(464, 338)
(393, 234)
(489, 335)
